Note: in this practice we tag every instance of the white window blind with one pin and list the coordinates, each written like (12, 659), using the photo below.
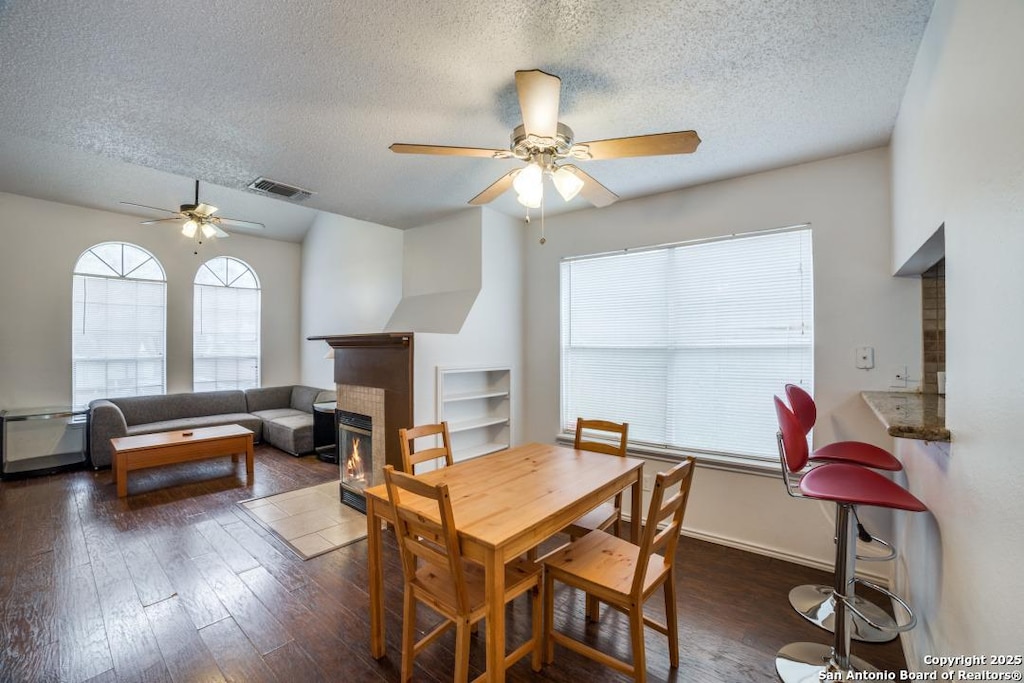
(226, 326)
(119, 319)
(689, 343)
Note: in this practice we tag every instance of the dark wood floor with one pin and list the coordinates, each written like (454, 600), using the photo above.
(175, 583)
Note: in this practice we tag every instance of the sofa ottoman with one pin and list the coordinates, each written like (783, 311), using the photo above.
(287, 415)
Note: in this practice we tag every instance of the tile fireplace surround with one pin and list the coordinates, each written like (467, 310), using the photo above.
(367, 401)
(373, 374)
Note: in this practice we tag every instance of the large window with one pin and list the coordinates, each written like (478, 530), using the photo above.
(119, 321)
(226, 327)
(688, 343)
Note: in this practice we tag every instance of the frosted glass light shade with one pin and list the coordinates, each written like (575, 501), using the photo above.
(567, 183)
(532, 197)
(188, 229)
(529, 181)
(208, 230)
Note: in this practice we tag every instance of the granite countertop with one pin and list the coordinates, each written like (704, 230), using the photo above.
(909, 415)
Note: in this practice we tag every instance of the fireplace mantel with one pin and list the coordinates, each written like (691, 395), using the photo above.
(368, 341)
(380, 361)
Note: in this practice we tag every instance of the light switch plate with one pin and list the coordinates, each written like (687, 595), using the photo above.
(865, 357)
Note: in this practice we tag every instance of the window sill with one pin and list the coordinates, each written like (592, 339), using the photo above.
(714, 461)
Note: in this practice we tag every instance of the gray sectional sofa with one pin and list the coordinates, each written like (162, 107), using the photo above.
(281, 416)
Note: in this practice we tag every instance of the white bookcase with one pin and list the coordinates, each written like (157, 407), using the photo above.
(476, 402)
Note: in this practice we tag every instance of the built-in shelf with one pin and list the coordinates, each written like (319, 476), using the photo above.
(476, 403)
(467, 425)
(471, 395)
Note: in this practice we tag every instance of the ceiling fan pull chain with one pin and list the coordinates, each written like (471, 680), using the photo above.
(543, 239)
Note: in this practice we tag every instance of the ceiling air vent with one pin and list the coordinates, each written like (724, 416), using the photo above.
(272, 187)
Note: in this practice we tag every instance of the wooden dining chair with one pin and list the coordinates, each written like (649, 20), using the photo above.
(437, 575)
(624, 576)
(411, 458)
(609, 513)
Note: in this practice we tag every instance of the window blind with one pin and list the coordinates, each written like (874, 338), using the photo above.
(226, 326)
(688, 343)
(118, 324)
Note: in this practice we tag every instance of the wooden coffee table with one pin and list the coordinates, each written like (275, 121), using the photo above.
(165, 448)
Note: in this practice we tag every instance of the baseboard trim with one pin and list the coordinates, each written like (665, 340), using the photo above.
(803, 560)
(767, 551)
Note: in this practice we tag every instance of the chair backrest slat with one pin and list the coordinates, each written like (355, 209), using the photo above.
(615, 430)
(420, 536)
(411, 457)
(666, 539)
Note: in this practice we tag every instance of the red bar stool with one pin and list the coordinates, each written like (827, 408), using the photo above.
(846, 485)
(852, 452)
(815, 602)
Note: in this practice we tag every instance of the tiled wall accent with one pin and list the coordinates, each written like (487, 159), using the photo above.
(933, 304)
(367, 401)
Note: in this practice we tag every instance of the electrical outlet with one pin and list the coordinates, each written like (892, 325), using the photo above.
(899, 377)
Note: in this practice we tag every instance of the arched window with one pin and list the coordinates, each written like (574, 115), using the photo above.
(119, 324)
(226, 328)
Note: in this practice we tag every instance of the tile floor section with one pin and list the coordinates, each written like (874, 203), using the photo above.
(311, 520)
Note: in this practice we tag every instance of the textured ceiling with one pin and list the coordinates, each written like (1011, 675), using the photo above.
(312, 93)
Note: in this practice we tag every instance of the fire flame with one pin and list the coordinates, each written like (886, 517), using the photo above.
(354, 465)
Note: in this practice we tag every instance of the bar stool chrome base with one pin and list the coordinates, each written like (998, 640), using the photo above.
(817, 604)
(808, 662)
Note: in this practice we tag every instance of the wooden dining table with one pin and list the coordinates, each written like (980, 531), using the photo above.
(504, 504)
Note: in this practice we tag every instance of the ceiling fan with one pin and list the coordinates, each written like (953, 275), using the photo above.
(198, 218)
(545, 143)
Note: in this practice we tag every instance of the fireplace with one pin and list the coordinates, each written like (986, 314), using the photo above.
(355, 457)
(373, 374)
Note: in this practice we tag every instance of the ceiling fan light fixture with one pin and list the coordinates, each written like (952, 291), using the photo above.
(567, 183)
(529, 180)
(532, 198)
(189, 227)
(208, 230)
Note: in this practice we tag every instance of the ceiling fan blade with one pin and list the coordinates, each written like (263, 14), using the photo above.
(154, 208)
(219, 234)
(204, 210)
(539, 93)
(682, 142)
(224, 220)
(593, 191)
(160, 220)
(403, 148)
(496, 188)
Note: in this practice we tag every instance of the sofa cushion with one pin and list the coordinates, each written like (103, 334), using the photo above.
(246, 420)
(293, 434)
(146, 409)
(275, 413)
(267, 398)
(303, 397)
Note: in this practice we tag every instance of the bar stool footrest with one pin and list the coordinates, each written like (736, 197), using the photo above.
(858, 613)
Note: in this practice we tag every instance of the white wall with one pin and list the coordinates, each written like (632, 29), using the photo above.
(443, 256)
(351, 283)
(492, 332)
(958, 159)
(355, 273)
(41, 241)
(857, 303)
